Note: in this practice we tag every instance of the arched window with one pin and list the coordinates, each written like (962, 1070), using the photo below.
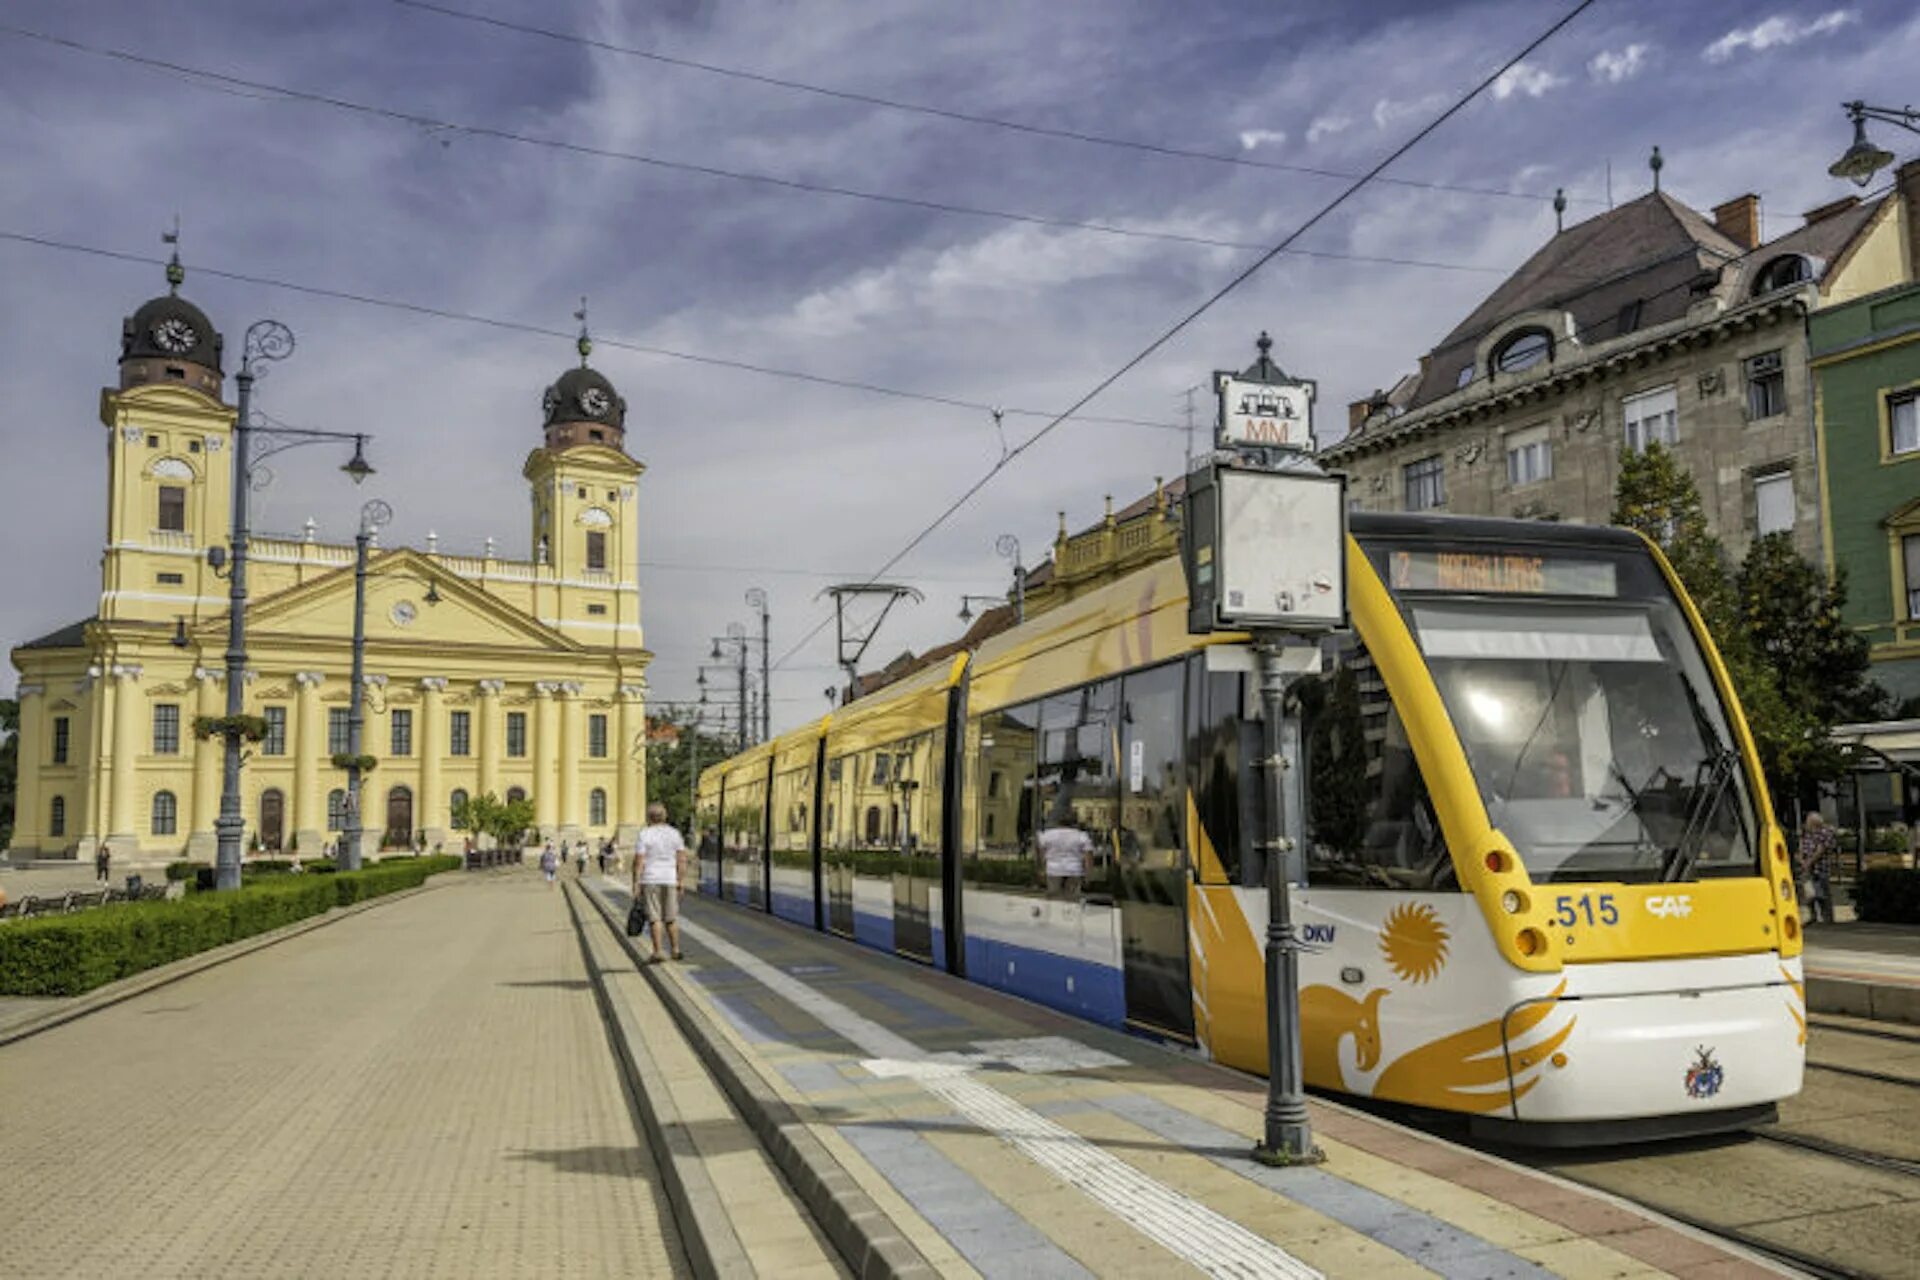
(1782, 272)
(166, 812)
(399, 832)
(597, 807)
(57, 819)
(1522, 350)
(336, 809)
(457, 802)
(516, 794)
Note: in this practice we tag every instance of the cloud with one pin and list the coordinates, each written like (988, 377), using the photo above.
(1326, 126)
(1777, 31)
(1388, 110)
(1612, 67)
(1525, 79)
(1251, 138)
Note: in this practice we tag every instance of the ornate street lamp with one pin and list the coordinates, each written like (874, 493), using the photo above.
(1009, 546)
(757, 599)
(1859, 162)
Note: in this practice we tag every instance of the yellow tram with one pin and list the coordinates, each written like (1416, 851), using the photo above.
(1543, 885)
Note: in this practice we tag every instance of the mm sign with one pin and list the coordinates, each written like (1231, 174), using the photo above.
(1278, 415)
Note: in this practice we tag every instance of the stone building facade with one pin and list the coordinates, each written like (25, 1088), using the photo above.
(485, 673)
(1650, 322)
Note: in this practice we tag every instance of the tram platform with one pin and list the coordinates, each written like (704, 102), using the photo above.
(947, 1129)
(1864, 970)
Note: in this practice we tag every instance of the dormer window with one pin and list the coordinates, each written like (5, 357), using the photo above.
(1523, 350)
(1466, 376)
(1782, 273)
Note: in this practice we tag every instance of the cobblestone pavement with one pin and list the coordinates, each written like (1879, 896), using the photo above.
(423, 1089)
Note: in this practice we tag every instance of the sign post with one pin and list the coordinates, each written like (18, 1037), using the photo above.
(1263, 542)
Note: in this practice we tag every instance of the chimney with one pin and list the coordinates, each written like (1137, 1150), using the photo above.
(1739, 220)
(1826, 211)
(1908, 177)
(1357, 413)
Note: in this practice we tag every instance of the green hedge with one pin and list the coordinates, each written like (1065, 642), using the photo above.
(1888, 895)
(68, 955)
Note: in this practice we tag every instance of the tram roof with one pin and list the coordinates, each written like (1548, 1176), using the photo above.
(1364, 525)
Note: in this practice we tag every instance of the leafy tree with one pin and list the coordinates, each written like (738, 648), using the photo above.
(507, 821)
(1795, 665)
(9, 766)
(672, 766)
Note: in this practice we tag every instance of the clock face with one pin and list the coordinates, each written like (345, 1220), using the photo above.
(175, 335)
(404, 612)
(594, 401)
(550, 401)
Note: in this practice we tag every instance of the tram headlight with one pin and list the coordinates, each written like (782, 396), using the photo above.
(1786, 890)
(1513, 902)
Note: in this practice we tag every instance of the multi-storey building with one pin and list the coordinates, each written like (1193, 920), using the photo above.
(1650, 322)
(520, 677)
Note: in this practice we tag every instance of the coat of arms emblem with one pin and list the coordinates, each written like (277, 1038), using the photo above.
(1706, 1075)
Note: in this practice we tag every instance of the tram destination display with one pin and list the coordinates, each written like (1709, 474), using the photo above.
(1265, 550)
(1500, 573)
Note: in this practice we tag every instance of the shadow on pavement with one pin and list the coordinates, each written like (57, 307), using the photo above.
(560, 984)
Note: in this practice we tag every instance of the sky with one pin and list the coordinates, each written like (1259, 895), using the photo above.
(761, 480)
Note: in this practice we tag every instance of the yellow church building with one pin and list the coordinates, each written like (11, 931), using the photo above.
(483, 674)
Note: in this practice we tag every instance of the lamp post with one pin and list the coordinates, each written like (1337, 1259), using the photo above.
(373, 516)
(757, 599)
(736, 643)
(266, 341)
(1009, 546)
(1862, 160)
(967, 602)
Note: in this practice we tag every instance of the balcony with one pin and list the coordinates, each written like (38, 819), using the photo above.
(170, 539)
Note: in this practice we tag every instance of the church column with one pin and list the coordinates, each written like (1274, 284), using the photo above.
(492, 742)
(123, 820)
(204, 806)
(29, 817)
(546, 753)
(630, 758)
(309, 740)
(572, 813)
(430, 811)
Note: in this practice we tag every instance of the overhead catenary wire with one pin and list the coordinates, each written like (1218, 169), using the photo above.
(544, 331)
(951, 114)
(923, 204)
(1208, 304)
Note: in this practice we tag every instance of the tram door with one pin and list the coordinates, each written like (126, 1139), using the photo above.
(916, 835)
(1150, 864)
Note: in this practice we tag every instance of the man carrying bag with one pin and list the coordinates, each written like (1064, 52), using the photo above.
(659, 865)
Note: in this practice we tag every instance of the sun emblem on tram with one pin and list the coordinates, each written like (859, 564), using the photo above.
(1414, 942)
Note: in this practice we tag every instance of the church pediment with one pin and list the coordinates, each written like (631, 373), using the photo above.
(399, 613)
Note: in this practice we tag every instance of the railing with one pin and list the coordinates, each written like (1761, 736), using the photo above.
(485, 859)
(464, 566)
(599, 577)
(170, 538)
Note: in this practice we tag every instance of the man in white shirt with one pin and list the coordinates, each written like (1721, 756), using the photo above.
(659, 865)
(1066, 851)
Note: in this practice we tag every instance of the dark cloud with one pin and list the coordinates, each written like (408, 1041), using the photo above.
(749, 471)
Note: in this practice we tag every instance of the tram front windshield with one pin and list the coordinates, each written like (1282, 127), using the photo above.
(1593, 729)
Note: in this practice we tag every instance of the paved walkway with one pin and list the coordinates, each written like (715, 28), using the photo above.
(422, 1089)
(1006, 1140)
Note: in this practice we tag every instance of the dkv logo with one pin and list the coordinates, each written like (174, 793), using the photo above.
(1670, 906)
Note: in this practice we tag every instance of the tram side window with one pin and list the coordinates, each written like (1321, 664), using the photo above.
(1076, 785)
(1371, 823)
(1153, 788)
(1007, 746)
(841, 830)
(1218, 739)
(792, 790)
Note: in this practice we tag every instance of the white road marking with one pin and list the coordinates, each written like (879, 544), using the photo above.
(1210, 1241)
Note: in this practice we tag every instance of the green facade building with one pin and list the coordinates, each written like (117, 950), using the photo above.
(1866, 362)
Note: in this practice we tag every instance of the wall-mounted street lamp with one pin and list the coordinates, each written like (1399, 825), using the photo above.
(967, 603)
(1859, 162)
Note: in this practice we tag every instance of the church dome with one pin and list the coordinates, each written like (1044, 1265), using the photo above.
(171, 328)
(584, 395)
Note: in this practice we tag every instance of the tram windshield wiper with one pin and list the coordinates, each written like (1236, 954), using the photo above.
(1720, 771)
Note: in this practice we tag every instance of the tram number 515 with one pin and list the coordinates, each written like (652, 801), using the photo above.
(1569, 910)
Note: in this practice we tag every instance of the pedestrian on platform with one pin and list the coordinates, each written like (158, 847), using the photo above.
(103, 864)
(659, 865)
(549, 863)
(1065, 849)
(1818, 849)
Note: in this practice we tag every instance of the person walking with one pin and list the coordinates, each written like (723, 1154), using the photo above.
(103, 864)
(1818, 848)
(549, 863)
(659, 865)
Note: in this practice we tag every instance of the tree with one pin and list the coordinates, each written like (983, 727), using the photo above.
(486, 814)
(671, 766)
(1795, 666)
(9, 767)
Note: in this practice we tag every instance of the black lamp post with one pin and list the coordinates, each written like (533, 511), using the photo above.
(1859, 162)
(1009, 546)
(967, 603)
(736, 643)
(266, 341)
(757, 599)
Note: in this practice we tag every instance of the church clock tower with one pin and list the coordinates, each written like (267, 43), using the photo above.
(168, 437)
(584, 536)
